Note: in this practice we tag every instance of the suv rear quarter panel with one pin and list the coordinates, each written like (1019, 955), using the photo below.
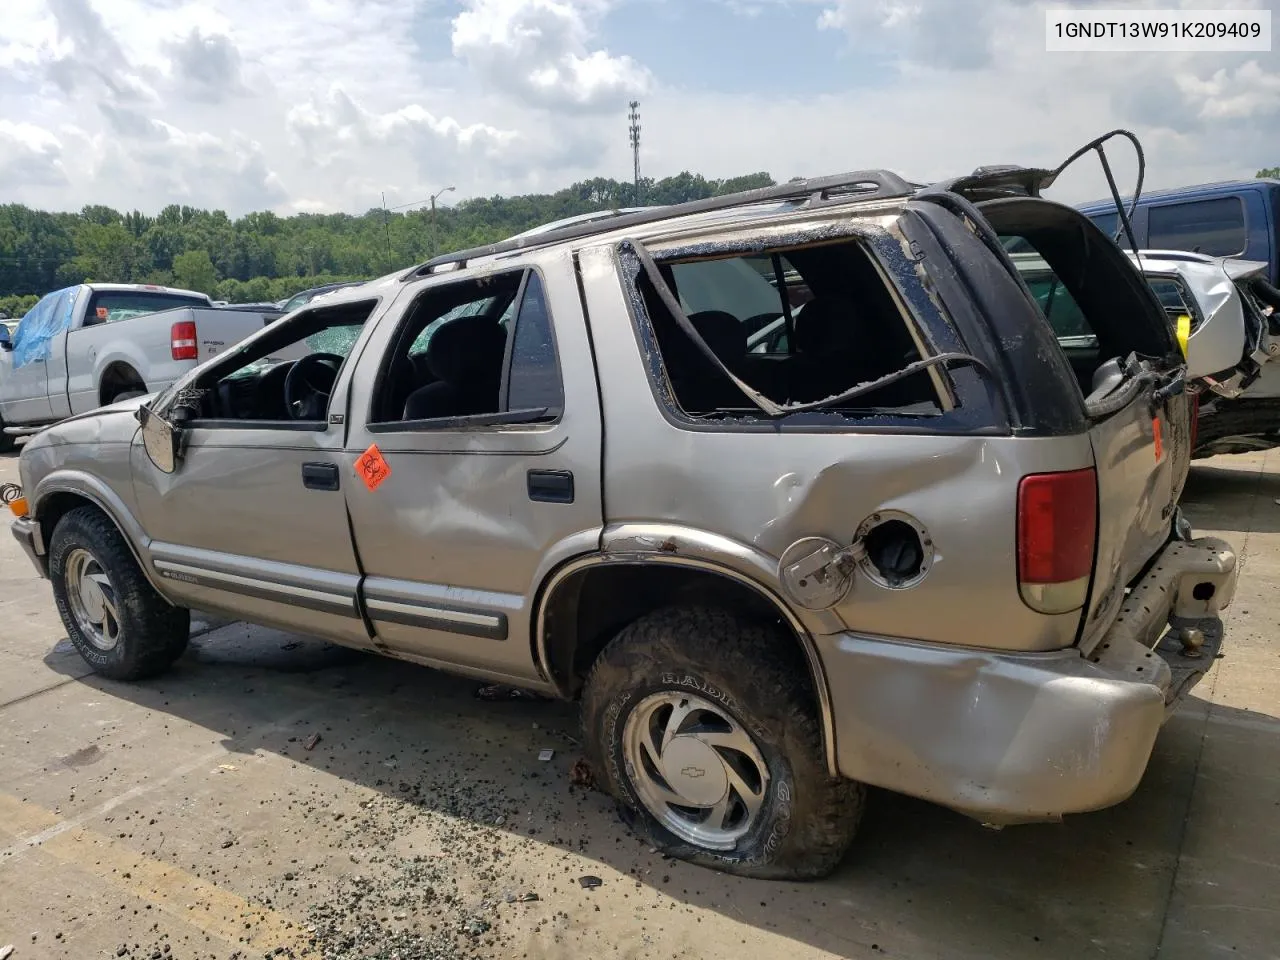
(765, 490)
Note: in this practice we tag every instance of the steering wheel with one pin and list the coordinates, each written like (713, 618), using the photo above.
(309, 383)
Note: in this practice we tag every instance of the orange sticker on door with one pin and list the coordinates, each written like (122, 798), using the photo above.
(372, 467)
(1155, 431)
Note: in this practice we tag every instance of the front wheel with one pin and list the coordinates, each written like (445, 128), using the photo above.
(706, 732)
(117, 621)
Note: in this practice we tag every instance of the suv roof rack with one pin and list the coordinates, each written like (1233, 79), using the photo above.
(864, 184)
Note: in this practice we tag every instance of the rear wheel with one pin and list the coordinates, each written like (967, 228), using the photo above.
(7, 441)
(705, 730)
(128, 394)
(114, 617)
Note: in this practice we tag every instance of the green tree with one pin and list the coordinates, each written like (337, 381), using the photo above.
(194, 270)
(262, 256)
(1273, 172)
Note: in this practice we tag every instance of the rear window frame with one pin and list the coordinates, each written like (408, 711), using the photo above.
(180, 302)
(973, 412)
(1154, 210)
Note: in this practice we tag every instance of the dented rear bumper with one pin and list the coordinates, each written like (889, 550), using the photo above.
(1011, 738)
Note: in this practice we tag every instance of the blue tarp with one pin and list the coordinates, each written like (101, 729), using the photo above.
(42, 323)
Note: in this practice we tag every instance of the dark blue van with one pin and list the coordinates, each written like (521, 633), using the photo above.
(1238, 218)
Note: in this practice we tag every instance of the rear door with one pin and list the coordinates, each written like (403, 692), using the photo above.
(1130, 371)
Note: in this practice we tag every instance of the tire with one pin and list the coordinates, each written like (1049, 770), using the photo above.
(126, 395)
(7, 442)
(751, 676)
(145, 634)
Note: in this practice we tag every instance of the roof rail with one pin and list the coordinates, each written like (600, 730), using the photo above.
(864, 184)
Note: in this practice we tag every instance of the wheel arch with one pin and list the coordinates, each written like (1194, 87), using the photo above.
(580, 608)
(59, 494)
(116, 374)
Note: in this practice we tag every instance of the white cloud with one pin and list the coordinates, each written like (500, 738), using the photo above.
(1248, 92)
(208, 67)
(196, 168)
(337, 127)
(943, 33)
(29, 156)
(539, 51)
(327, 105)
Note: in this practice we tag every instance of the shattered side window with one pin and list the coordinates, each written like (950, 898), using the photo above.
(798, 325)
(751, 289)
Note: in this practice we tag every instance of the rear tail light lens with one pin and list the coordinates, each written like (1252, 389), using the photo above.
(1057, 531)
(182, 341)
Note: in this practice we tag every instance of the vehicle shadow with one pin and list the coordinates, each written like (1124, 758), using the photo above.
(920, 882)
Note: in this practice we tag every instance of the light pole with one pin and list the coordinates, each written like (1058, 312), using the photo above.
(417, 203)
(434, 197)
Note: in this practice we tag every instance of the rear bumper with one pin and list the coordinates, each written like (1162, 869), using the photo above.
(27, 532)
(1010, 738)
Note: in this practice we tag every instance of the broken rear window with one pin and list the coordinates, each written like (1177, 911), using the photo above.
(797, 324)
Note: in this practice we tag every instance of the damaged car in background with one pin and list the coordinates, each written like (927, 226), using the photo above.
(1223, 312)
(1215, 303)
(907, 543)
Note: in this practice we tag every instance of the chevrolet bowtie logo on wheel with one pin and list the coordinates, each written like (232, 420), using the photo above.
(693, 772)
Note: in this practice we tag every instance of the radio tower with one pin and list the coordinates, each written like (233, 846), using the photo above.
(635, 146)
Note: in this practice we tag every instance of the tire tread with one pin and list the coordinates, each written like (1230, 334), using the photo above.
(758, 660)
(154, 632)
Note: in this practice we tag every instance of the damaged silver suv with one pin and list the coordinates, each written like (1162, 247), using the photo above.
(795, 490)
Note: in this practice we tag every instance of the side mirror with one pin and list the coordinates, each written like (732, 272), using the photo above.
(160, 439)
(6, 342)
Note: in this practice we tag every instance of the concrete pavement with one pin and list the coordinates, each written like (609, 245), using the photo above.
(186, 817)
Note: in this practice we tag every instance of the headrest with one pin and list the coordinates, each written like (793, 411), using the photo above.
(467, 348)
(723, 332)
(826, 325)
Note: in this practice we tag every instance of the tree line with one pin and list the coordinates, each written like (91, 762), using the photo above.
(265, 257)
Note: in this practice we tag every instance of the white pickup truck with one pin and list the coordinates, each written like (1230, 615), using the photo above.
(92, 344)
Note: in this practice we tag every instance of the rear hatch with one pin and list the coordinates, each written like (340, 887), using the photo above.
(1132, 380)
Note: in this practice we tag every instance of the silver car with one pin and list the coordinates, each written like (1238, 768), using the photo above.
(907, 544)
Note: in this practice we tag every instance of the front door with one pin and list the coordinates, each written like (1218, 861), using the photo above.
(252, 522)
(24, 375)
(494, 465)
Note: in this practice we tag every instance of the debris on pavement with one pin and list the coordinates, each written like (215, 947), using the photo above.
(580, 775)
(312, 741)
(588, 882)
(545, 755)
(6, 952)
(500, 691)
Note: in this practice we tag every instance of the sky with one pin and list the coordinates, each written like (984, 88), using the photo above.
(325, 105)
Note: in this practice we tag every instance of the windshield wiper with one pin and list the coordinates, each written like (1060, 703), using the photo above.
(763, 403)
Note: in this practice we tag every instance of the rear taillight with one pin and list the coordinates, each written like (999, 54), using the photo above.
(182, 341)
(1057, 527)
